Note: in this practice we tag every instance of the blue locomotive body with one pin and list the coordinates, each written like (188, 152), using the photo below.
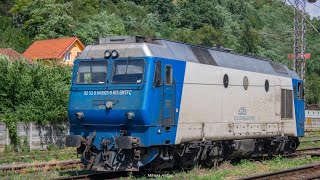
(160, 104)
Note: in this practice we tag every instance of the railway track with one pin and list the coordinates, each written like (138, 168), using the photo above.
(302, 172)
(310, 141)
(21, 158)
(82, 177)
(41, 152)
(69, 164)
(37, 166)
(101, 175)
(307, 151)
(300, 152)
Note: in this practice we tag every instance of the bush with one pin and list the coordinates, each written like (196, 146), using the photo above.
(32, 93)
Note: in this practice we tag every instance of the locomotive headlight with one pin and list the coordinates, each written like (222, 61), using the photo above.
(109, 104)
(79, 115)
(114, 54)
(107, 54)
(130, 115)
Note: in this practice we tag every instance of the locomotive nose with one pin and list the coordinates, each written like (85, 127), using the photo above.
(114, 108)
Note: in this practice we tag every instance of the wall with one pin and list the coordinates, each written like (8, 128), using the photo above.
(39, 137)
(73, 50)
(312, 121)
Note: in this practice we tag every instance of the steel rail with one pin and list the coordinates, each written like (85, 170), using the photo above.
(97, 175)
(308, 149)
(116, 175)
(303, 172)
(37, 166)
(20, 157)
(310, 141)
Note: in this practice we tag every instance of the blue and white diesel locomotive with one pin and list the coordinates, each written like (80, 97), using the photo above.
(138, 103)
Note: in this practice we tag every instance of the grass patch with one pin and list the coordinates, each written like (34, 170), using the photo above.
(310, 136)
(309, 145)
(44, 174)
(36, 155)
(244, 168)
(227, 170)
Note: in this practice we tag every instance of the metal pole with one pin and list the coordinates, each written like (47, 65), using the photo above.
(299, 38)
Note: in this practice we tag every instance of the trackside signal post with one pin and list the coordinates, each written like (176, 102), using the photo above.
(299, 38)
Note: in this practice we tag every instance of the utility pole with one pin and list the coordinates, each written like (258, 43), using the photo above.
(299, 38)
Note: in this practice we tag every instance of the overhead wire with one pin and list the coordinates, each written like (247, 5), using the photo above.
(314, 28)
(304, 17)
(315, 5)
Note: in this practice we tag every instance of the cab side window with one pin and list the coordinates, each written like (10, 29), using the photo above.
(168, 73)
(157, 74)
(300, 92)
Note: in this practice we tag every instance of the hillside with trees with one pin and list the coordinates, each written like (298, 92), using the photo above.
(259, 28)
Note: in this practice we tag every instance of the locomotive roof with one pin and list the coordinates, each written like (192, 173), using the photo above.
(139, 47)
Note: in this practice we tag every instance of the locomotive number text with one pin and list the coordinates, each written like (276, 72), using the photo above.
(108, 93)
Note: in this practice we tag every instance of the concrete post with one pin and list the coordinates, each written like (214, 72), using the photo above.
(30, 136)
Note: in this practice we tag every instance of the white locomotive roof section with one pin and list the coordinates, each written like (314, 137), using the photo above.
(241, 62)
(142, 47)
(124, 50)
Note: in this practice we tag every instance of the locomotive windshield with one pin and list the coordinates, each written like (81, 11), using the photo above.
(92, 72)
(128, 71)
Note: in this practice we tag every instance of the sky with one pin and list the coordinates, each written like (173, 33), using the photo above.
(314, 10)
(311, 8)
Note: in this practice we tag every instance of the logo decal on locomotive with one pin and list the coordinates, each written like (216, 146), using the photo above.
(242, 112)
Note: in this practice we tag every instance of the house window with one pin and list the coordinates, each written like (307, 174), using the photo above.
(67, 56)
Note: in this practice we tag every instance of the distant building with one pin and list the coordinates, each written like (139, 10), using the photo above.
(312, 121)
(10, 53)
(63, 50)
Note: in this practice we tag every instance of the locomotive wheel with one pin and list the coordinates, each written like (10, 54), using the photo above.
(211, 162)
(185, 167)
(157, 170)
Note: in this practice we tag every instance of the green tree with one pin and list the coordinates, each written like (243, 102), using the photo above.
(44, 19)
(5, 6)
(164, 8)
(100, 25)
(12, 37)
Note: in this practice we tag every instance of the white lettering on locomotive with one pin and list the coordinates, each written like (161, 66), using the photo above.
(108, 93)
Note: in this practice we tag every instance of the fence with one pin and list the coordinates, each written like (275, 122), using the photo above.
(312, 121)
(37, 136)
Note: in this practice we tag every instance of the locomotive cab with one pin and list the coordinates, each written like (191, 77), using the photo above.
(108, 92)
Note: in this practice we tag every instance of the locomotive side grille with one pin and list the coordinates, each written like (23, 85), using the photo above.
(289, 104)
(203, 56)
(286, 104)
(283, 103)
(277, 67)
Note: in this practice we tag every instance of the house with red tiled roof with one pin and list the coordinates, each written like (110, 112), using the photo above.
(63, 50)
(10, 53)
